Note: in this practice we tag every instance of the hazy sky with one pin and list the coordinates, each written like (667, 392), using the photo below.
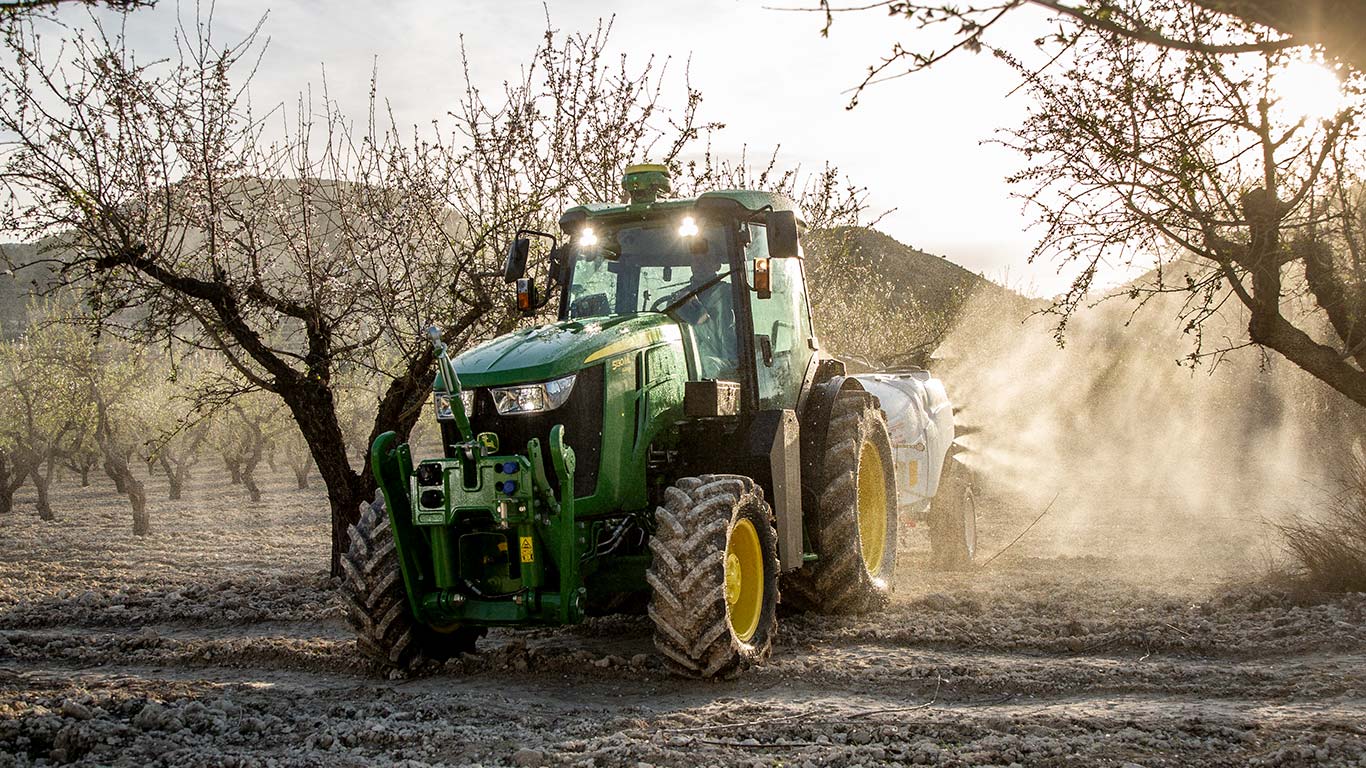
(916, 143)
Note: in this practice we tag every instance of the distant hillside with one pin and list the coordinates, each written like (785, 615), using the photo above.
(930, 279)
(885, 302)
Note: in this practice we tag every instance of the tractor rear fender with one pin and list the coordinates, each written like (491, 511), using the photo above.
(815, 422)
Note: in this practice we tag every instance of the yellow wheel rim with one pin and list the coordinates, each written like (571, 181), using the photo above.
(744, 580)
(445, 629)
(872, 507)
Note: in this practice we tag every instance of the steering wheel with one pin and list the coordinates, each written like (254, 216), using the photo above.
(668, 298)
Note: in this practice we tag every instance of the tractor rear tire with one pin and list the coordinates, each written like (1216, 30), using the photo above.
(953, 520)
(713, 576)
(377, 603)
(855, 515)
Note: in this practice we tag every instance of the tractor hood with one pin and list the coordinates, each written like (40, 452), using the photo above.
(555, 350)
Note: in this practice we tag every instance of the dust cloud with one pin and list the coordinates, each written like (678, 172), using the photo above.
(1147, 458)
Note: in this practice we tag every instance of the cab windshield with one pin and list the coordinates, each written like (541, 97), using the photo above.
(657, 266)
(642, 266)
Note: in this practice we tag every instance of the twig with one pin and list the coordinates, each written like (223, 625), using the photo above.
(762, 721)
(890, 710)
(1022, 533)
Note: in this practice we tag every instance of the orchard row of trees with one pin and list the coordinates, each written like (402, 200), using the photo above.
(78, 402)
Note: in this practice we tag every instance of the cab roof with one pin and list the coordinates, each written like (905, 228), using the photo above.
(747, 199)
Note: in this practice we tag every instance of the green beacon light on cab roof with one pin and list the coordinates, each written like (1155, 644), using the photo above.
(644, 183)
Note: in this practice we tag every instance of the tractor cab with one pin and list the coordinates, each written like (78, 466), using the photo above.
(725, 266)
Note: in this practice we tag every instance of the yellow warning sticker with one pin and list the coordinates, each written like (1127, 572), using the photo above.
(528, 552)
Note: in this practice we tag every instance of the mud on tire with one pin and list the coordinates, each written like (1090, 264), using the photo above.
(377, 604)
(694, 630)
(840, 581)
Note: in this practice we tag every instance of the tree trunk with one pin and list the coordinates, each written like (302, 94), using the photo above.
(10, 481)
(234, 470)
(314, 410)
(85, 476)
(1338, 25)
(253, 459)
(253, 490)
(175, 479)
(40, 484)
(249, 475)
(6, 491)
(119, 482)
(137, 497)
(301, 476)
(116, 464)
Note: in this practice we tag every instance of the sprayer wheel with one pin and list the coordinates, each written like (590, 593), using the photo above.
(377, 605)
(713, 576)
(854, 527)
(953, 520)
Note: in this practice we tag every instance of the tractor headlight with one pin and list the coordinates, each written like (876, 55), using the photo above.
(533, 398)
(442, 401)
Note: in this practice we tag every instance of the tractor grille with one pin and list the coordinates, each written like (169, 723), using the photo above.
(581, 416)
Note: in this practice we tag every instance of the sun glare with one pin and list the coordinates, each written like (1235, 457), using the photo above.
(1307, 89)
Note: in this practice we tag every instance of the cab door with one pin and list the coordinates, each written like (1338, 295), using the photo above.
(783, 343)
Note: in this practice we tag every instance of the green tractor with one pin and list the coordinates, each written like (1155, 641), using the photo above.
(677, 437)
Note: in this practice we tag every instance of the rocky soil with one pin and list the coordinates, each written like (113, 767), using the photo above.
(1095, 640)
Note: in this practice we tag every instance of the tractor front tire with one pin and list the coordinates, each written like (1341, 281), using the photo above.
(953, 519)
(854, 528)
(377, 604)
(713, 576)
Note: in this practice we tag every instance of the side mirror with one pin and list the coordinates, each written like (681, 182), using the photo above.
(782, 234)
(515, 267)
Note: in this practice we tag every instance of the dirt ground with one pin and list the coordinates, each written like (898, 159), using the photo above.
(1099, 640)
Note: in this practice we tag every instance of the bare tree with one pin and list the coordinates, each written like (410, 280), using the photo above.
(1339, 26)
(296, 254)
(242, 430)
(296, 456)
(178, 423)
(1139, 153)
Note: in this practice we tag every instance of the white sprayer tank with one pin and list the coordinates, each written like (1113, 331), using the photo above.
(920, 422)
